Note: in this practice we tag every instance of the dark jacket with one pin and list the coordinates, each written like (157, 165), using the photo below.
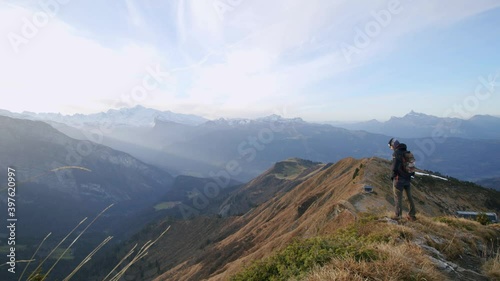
(399, 175)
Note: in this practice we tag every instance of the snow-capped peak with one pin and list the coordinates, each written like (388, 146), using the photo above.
(138, 116)
(275, 117)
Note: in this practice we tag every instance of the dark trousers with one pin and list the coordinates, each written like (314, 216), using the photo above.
(398, 198)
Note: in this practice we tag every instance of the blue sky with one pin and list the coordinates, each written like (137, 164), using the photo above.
(321, 60)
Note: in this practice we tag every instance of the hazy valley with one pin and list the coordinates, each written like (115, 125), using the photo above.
(232, 191)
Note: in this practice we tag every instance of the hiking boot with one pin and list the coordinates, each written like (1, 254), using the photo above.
(396, 218)
(411, 218)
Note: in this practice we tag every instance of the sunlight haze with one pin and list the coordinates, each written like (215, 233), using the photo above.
(319, 60)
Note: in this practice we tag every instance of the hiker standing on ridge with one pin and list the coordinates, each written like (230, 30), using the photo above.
(401, 180)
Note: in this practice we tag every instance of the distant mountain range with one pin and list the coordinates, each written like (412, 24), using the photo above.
(419, 125)
(138, 116)
(190, 145)
(412, 125)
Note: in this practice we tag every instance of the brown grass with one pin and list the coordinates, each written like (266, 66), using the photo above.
(453, 236)
(402, 262)
(492, 267)
(402, 257)
(271, 226)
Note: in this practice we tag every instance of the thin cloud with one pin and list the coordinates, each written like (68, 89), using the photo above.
(58, 68)
(134, 13)
(246, 62)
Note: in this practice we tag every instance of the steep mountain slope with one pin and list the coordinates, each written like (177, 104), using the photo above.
(180, 201)
(62, 180)
(281, 178)
(35, 147)
(325, 199)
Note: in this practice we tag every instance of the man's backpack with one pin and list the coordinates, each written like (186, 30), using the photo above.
(408, 162)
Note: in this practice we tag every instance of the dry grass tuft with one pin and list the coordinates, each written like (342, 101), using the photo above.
(400, 251)
(140, 254)
(492, 267)
(339, 270)
(402, 262)
(37, 274)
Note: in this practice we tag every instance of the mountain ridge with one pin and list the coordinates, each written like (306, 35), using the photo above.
(421, 125)
(138, 116)
(255, 144)
(332, 197)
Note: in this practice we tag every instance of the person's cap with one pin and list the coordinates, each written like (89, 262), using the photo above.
(393, 142)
